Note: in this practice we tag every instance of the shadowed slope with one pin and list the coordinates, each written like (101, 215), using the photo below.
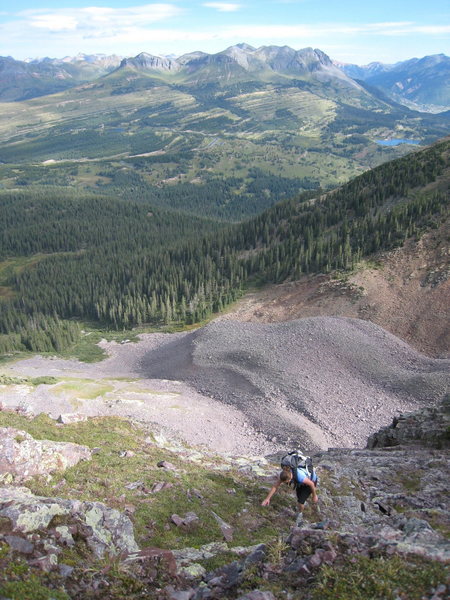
(317, 382)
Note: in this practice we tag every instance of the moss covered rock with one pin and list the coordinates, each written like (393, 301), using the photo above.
(22, 457)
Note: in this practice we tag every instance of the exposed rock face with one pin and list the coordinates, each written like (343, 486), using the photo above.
(149, 62)
(22, 457)
(243, 61)
(391, 496)
(430, 427)
(44, 526)
(396, 490)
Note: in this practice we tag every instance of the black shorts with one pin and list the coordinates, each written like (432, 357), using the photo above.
(303, 493)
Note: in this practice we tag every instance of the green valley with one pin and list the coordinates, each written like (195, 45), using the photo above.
(154, 194)
(126, 263)
(208, 128)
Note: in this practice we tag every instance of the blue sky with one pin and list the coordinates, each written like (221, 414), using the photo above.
(347, 30)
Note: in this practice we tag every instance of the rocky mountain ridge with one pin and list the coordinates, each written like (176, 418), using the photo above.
(241, 62)
(420, 83)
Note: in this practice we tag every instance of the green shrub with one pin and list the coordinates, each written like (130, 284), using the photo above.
(45, 379)
(362, 578)
(31, 589)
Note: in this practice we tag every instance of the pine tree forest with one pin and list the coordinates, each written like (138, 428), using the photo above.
(128, 262)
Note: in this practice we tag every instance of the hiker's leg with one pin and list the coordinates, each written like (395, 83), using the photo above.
(303, 492)
(299, 518)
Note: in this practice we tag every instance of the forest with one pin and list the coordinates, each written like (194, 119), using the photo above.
(122, 263)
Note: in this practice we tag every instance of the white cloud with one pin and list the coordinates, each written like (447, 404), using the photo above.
(156, 28)
(337, 30)
(54, 22)
(223, 6)
(98, 19)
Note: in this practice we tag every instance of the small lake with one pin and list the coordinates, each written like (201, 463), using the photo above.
(396, 142)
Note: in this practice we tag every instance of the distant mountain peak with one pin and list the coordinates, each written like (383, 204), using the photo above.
(419, 83)
(244, 46)
(145, 61)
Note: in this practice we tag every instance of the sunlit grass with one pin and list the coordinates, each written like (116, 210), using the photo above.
(83, 389)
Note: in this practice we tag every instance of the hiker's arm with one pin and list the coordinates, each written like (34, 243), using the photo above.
(309, 482)
(274, 488)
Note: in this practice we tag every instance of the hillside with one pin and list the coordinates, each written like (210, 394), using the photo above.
(87, 265)
(124, 512)
(405, 291)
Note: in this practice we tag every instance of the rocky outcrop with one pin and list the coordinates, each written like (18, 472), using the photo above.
(148, 62)
(396, 497)
(430, 427)
(372, 503)
(384, 500)
(42, 527)
(22, 457)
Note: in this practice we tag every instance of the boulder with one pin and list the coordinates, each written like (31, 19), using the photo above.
(66, 419)
(155, 555)
(226, 529)
(168, 466)
(22, 457)
(189, 522)
(55, 522)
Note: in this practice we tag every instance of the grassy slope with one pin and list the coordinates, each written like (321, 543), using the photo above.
(104, 478)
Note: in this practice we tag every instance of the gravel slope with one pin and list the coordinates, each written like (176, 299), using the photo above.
(316, 382)
(344, 377)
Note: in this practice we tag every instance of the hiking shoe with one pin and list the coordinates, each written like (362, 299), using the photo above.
(299, 520)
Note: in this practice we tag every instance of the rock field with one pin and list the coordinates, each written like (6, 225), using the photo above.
(250, 387)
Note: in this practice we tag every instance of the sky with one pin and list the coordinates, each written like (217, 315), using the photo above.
(351, 31)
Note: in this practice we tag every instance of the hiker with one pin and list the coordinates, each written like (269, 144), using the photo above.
(304, 479)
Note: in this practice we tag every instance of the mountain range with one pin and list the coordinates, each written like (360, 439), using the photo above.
(422, 84)
(224, 135)
(21, 80)
(243, 62)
